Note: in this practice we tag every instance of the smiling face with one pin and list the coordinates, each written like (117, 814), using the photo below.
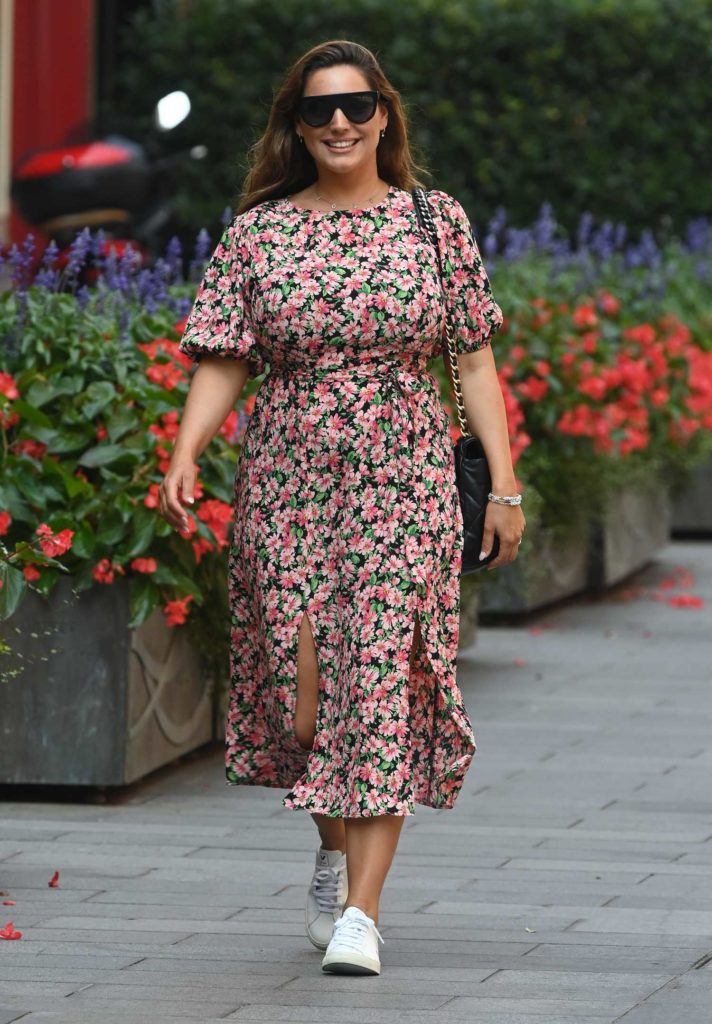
(361, 154)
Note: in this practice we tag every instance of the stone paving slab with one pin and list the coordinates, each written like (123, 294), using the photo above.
(571, 884)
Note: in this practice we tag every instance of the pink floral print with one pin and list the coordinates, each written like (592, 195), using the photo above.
(346, 508)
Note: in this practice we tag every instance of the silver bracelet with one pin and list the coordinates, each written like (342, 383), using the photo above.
(506, 499)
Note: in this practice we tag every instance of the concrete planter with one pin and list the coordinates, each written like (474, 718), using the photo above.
(469, 610)
(550, 567)
(97, 703)
(692, 506)
(633, 528)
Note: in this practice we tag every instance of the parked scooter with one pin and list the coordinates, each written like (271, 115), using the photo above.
(113, 184)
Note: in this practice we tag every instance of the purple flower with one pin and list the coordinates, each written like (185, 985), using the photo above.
(584, 229)
(174, 259)
(79, 250)
(48, 276)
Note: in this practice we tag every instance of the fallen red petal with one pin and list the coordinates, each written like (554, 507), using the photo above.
(8, 903)
(686, 601)
(520, 661)
(535, 630)
(54, 880)
(8, 932)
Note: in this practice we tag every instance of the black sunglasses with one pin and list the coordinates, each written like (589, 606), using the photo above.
(358, 107)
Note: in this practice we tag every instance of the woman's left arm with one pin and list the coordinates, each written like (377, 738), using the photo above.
(487, 418)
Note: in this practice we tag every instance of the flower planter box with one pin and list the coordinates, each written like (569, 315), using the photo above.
(97, 703)
(633, 528)
(692, 506)
(469, 611)
(548, 569)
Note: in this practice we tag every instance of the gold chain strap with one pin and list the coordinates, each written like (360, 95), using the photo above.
(424, 207)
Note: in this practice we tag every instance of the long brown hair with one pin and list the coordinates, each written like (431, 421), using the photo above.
(280, 165)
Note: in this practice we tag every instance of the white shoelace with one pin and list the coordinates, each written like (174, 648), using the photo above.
(325, 886)
(349, 931)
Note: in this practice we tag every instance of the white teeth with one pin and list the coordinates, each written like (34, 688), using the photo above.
(342, 145)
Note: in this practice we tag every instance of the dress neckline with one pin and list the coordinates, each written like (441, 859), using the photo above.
(341, 213)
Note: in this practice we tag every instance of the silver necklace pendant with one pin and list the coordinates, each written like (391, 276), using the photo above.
(333, 205)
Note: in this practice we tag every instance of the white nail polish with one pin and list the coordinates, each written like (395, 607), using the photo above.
(483, 554)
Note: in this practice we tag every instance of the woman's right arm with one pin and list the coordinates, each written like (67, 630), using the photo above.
(214, 389)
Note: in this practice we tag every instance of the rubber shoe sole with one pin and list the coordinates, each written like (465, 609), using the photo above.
(355, 964)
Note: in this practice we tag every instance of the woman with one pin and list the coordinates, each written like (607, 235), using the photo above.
(344, 566)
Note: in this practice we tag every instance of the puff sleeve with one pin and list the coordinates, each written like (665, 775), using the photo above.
(473, 312)
(219, 322)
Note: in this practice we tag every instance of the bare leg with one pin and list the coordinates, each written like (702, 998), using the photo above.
(370, 843)
(370, 846)
(331, 830)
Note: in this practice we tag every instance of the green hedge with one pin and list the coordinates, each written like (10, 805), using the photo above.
(594, 105)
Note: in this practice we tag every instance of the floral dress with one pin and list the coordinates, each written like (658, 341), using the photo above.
(346, 507)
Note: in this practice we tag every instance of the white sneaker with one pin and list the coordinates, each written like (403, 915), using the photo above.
(353, 948)
(326, 896)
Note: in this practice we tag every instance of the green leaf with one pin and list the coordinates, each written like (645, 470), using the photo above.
(84, 541)
(111, 529)
(105, 454)
(29, 412)
(142, 533)
(99, 395)
(144, 596)
(14, 587)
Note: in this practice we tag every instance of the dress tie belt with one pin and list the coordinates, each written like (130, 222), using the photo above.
(388, 373)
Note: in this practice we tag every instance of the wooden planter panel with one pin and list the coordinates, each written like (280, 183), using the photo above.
(550, 570)
(692, 508)
(635, 527)
(109, 705)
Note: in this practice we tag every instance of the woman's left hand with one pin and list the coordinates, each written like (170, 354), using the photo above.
(508, 522)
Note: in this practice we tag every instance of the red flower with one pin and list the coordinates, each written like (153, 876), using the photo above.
(54, 544)
(585, 316)
(589, 342)
(31, 573)
(608, 304)
(533, 388)
(147, 565)
(217, 516)
(101, 432)
(176, 612)
(165, 375)
(201, 546)
(593, 387)
(8, 387)
(103, 571)
(152, 500)
(35, 449)
(5, 520)
(643, 334)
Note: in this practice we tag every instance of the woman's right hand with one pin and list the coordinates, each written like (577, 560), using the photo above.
(177, 490)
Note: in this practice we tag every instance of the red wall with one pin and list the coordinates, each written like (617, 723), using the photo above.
(53, 78)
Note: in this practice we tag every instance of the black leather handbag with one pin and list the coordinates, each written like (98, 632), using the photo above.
(472, 474)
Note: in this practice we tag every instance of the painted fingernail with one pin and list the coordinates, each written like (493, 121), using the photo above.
(483, 554)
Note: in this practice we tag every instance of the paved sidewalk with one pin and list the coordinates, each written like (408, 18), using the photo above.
(571, 884)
